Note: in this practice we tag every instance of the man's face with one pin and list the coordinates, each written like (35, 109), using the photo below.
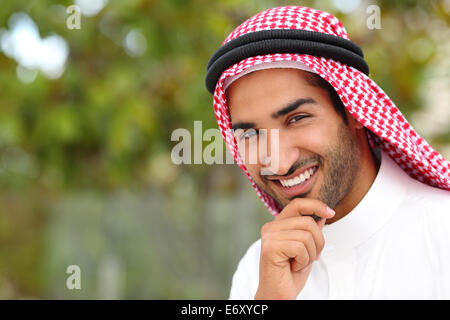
(314, 146)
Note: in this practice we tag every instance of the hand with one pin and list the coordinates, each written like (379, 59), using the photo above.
(289, 245)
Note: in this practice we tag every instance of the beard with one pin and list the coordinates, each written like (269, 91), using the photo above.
(343, 159)
(339, 172)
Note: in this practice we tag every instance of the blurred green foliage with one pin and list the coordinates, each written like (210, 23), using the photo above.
(86, 176)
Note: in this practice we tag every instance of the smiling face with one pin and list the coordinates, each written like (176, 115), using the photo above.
(319, 155)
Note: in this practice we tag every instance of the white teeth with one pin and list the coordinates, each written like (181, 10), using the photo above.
(299, 179)
(302, 178)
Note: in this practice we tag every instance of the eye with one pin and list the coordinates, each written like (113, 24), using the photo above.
(297, 118)
(248, 134)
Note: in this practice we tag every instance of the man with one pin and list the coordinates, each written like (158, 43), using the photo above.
(361, 201)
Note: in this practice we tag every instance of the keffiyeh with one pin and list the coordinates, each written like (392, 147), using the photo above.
(331, 55)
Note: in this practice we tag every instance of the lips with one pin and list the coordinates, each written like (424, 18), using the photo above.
(299, 179)
(298, 183)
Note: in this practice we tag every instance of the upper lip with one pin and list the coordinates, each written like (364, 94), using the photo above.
(294, 174)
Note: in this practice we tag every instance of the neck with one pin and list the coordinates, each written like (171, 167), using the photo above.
(364, 179)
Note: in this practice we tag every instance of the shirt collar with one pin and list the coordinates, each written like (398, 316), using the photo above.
(374, 210)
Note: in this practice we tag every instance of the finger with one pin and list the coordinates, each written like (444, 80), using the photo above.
(282, 251)
(306, 206)
(321, 223)
(295, 235)
(297, 223)
(306, 269)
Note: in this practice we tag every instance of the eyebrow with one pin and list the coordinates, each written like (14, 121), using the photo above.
(292, 106)
(243, 125)
(285, 110)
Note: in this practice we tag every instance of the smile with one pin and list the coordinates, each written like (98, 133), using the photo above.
(299, 184)
(299, 179)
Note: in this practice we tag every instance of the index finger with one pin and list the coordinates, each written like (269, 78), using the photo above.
(306, 206)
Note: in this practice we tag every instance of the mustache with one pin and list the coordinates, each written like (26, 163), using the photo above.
(299, 164)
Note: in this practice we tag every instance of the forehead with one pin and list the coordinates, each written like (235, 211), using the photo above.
(270, 87)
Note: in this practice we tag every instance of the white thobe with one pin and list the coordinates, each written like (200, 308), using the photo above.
(395, 244)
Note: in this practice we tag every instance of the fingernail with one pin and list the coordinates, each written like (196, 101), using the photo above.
(331, 211)
(318, 256)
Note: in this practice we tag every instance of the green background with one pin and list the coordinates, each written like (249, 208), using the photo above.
(86, 176)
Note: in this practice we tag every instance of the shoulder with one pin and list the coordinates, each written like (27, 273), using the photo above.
(246, 277)
(431, 209)
(433, 201)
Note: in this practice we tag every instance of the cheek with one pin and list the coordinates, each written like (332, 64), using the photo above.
(253, 169)
(249, 155)
(314, 138)
(248, 152)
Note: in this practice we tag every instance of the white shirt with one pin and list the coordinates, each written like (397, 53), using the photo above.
(395, 244)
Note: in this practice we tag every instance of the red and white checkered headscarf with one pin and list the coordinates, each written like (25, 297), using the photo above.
(361, 96)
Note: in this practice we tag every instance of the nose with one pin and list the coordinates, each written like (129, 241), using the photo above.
(278, 154)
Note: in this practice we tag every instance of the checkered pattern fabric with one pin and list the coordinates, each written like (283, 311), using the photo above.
(362, 97)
